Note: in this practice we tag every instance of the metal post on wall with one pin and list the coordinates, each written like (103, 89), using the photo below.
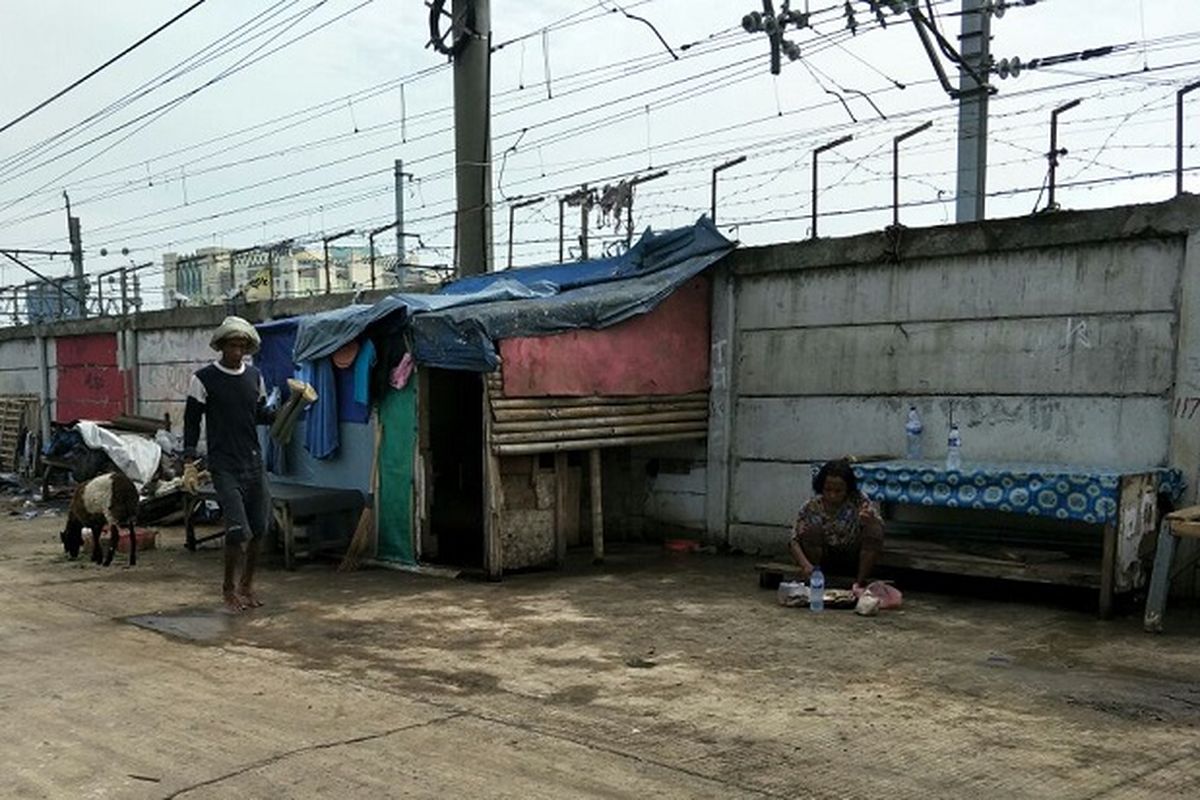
(629, 209)
(716, 171)
(511, 224)
(1055, 152)
(371, 244)
(896, 168)
(325, 240)
(1179, 134)
(562, 205)
(817, 152)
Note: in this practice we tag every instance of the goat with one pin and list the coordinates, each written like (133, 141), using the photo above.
(110, 499)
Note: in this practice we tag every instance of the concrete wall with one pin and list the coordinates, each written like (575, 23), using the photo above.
(160, 349)
(1068, 337)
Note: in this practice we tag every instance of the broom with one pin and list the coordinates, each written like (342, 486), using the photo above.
(365, 530)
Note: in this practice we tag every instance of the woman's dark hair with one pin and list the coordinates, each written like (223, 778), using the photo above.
(836, 469)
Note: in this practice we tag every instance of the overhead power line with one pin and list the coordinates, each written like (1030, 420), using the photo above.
(105, 65)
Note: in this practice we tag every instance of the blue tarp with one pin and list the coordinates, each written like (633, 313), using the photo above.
(457, 326)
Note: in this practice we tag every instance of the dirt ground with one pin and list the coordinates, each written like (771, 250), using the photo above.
(653, 676)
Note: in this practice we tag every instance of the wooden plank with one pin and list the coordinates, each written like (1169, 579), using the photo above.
(493, 553)
(587, 444)
(594, 465)
(1185, 514)
(553, 412)
(1160, 580)
(1108, 566)
(629, 429)
(699, 415)
(575, 402)
(560, 507)
(1188, 529)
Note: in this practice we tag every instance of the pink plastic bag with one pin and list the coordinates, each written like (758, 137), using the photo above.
(889, 596)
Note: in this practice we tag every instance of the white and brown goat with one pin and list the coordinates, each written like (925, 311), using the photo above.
(109, 500)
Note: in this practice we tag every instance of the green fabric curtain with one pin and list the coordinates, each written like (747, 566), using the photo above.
(398, 442)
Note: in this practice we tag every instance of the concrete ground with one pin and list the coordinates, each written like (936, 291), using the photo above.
(655, 676)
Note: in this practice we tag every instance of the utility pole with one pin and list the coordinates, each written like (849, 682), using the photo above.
(325, 240)
(76, 237)
(400, 175)
(975, 48)
(472, 21)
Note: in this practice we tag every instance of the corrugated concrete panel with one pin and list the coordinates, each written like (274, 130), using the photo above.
(1128, 432)
(683, 510)
(690, 482)
(675, 496)
(165, 381)
(1120, 354)
(156, 409)
(769, 492)
(756, 539)
(20, 381)
(18, 354)
(1115, 276)
(177, 345)
(19, 367)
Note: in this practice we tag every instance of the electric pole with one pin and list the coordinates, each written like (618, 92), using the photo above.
(400, 175)
(473, 135)
(975, 49)
(76, 237)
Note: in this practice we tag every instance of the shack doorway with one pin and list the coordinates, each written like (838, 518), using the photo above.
(455, 450)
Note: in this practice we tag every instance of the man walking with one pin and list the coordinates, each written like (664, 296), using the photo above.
(229, 395)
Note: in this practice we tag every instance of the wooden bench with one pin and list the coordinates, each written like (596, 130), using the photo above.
(291, 505)
(902, 552)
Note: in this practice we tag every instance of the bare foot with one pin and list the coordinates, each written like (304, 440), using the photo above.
(233, 604)
(249, 599)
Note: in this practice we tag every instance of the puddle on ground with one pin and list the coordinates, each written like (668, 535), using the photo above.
(199, 626)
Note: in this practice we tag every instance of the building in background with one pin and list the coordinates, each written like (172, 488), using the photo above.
(214, 275)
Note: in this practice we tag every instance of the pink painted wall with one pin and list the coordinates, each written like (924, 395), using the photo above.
(90, 385)
(663, 352)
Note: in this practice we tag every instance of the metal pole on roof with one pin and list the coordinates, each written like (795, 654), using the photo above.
(371, 241)
(716, 171)
(1055, 152)
(629, 208)
(816, 153)
(511, 210)
(1179, 134)
(562, 203)
(325, 240)
(585, 210)
(896, 168)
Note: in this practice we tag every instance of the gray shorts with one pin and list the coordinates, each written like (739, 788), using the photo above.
(245, 503)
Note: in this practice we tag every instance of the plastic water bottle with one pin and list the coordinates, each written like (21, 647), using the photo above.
(912, 433)
(816, 590)
(954, 449)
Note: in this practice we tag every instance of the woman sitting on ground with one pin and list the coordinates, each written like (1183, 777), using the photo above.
(839, 529)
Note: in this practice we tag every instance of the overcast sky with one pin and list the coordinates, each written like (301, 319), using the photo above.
(271, 151)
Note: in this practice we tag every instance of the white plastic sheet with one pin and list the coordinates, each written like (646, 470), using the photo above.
(134, 455)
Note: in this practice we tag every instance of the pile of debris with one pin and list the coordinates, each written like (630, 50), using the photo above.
(143, 448)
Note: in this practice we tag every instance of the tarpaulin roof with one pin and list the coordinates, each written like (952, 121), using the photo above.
(456, 327)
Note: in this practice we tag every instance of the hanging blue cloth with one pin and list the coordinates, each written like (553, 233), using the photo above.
(349, 409)
(321, 420)
(274, 361)
(362, 371)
